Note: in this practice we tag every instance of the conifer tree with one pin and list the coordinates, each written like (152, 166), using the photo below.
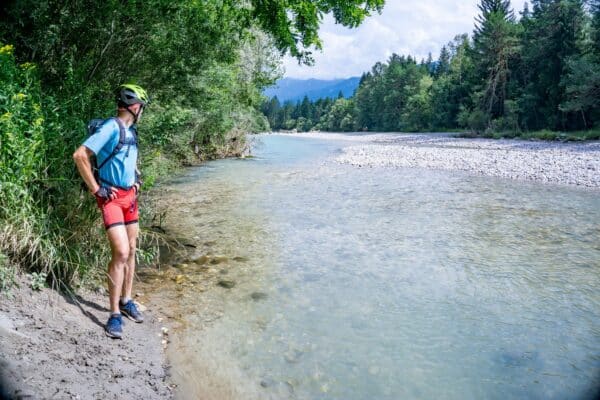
(443, 64)
(551, 38)
(495, 45)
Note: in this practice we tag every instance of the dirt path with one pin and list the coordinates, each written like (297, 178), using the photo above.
(54, 347)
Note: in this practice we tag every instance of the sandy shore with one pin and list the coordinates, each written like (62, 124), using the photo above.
(54, 347)
(548, 162)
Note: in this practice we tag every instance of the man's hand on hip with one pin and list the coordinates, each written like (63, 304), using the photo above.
(106, 193)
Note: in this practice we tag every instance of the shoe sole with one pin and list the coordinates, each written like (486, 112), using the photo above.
(125, 313)
(113, 336)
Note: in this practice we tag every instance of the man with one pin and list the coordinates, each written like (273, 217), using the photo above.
(116, 187)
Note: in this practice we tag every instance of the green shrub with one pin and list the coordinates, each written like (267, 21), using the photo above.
(37, 280)
(7, 274)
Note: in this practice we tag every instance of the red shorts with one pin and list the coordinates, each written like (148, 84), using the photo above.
(121, 211)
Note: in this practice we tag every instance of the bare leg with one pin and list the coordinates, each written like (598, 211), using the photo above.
(119, 245)
(132, 234)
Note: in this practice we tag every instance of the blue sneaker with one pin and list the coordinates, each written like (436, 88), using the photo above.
(114, 326)
(131, 311)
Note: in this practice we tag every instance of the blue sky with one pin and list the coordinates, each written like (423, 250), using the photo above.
(404, 27)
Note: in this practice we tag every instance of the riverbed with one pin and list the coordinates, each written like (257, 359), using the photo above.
(306, 276)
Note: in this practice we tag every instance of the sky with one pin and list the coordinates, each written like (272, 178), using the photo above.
(405, 27)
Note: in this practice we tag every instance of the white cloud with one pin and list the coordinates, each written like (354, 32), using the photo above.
(404, 27)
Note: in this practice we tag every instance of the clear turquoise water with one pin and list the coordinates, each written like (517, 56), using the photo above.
(389, 284)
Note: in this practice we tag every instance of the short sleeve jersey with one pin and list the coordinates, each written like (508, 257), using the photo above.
(119, 171)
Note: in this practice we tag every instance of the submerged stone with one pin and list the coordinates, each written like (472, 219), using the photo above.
(201, 260)
(226, 284)
(240, 259)
(218, 260)
(293, 356)
(258, 296)
(267, 382)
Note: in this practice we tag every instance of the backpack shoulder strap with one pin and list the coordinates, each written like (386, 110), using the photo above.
(119, 145)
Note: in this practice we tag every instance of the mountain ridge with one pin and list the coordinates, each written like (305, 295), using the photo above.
(293, 89)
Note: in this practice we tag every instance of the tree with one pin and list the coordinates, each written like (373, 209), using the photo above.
(341, 116)
(294, 24)
(416, 115)
(495, 44)
(551, 37)
(443, 64)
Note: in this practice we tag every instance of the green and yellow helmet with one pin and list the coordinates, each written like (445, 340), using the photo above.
(129, 94)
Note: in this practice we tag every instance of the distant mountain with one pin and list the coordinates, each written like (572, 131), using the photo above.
(290, 89)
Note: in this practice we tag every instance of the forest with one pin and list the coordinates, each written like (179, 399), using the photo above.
(204, 64)
(535, 72)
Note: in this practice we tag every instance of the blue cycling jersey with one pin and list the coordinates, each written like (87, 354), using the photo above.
(119, 170)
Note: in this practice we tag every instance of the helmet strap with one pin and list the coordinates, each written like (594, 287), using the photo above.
(135, 116)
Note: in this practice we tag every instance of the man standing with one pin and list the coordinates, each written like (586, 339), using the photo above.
(115, 186)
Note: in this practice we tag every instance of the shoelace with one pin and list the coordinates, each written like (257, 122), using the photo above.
(131, 308)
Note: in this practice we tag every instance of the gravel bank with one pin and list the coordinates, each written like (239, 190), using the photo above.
(547, 162)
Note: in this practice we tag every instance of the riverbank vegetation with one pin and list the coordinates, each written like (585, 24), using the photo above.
(204, 65)
(536, 76)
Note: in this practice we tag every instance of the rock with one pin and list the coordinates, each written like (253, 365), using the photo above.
(258, 296)
(266, 382)
(201, 260)
(218, 260)
(226, 284)
(240, 259)
(293, 356)
(179, 279)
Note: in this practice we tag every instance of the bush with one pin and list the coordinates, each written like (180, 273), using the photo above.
(7, 274)
(45, 220)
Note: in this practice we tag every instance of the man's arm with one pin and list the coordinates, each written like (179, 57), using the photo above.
(82, 158)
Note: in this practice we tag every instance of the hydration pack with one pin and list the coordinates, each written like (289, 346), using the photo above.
(93, 127)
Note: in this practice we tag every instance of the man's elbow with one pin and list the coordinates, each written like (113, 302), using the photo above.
(80, 154)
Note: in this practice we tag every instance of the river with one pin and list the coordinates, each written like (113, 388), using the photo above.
(340, 282)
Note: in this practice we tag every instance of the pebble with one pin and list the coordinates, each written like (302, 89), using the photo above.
(226, 284)
(258, 296)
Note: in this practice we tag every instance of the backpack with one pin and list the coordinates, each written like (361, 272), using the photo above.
(93, 127)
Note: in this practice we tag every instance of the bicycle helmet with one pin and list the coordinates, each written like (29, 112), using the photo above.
(129, 94)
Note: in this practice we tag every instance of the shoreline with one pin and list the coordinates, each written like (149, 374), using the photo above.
(54, 346)
(571, 163)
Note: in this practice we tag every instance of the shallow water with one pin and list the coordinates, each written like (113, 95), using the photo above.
(354, 283)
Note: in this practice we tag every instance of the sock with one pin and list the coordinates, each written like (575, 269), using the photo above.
(115, 314)
(124, 300)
